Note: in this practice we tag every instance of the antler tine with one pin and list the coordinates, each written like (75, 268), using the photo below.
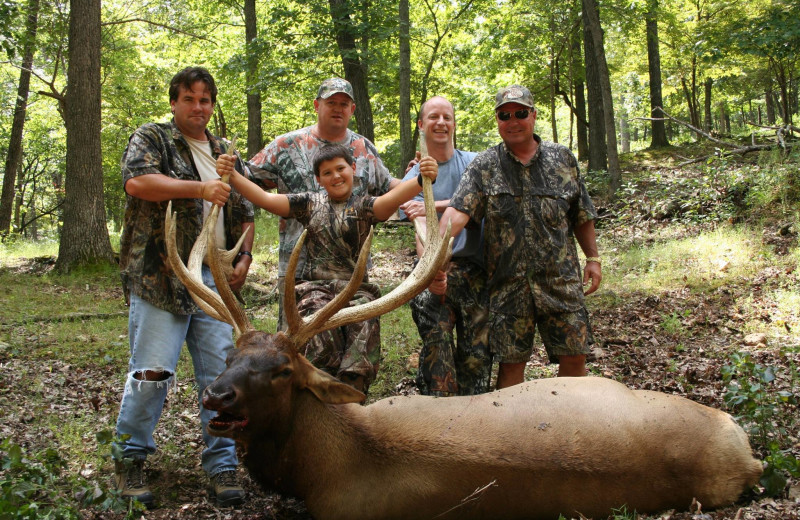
(303, 329)
(220, 267)
(436, 254)
(422, 230)
(192, 277)
(293, 319)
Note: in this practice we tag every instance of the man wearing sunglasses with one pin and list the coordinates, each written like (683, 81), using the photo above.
(534, 205)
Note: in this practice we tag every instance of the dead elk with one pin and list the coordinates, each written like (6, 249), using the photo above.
(572, 446)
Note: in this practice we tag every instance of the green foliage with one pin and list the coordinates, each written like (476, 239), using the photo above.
(394, 238)
(8, 12)
(33, 487)
(622, 513)
(773, 183)
(763, 412)
(721, 190)
(673, 323)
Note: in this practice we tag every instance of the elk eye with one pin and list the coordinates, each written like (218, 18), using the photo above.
(286, 372)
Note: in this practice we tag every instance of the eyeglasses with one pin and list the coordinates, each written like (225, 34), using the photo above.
(519, 114)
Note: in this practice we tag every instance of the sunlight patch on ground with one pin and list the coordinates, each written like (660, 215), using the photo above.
(14, 250)
(787, 309)
(708, 259)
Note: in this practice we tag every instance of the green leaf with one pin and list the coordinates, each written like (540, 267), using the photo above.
(773, 480)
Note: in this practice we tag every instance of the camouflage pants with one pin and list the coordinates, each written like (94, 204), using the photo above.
(351, 353)
(463, 366)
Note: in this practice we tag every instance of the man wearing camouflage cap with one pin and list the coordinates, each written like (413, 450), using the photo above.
(533, 201)
(287, 163)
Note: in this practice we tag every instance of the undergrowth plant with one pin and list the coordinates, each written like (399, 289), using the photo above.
(766, 413)
(38, 485)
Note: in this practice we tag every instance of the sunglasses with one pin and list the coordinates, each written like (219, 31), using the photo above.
(519, 114)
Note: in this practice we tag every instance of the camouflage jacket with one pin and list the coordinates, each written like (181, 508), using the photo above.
(161, 148)
(336, 232)
(287, 164)
(529, 212)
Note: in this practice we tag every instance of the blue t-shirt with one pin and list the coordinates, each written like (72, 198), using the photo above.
(468, 242)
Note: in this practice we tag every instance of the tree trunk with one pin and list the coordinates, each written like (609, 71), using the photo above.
(355, 70)
(553, 122)
(658, 130)
(553, 59)
(782, 77)
(406, 139)
(84, 236)
(255, 137)
(624, 130)
(707, 117)
(690, 93)
(14, 157)
(726, 117)
(582, 130)
(598, 158)
(596, 32)
(770, 107)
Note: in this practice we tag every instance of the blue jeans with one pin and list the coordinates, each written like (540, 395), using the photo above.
(156, 339)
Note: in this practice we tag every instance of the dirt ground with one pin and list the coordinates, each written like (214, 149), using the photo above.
(629, 348)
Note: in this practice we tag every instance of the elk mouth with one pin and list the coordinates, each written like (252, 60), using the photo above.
(226, 424)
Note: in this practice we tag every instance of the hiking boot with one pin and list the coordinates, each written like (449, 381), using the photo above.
(130, 480)
(226, 489)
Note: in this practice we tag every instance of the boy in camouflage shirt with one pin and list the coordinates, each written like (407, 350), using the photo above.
(338, 222)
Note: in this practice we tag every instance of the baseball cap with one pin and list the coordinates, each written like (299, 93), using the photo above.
(513, 94)
(333, 86)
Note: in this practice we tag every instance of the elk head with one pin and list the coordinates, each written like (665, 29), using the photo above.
(265, 371)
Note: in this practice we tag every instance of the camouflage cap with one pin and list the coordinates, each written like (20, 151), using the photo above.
(513, 94)
(333, 86)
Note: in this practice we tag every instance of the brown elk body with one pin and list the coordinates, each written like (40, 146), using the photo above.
(572, 446)
(547, 447)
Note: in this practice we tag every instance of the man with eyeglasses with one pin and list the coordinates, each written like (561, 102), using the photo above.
(534, 204)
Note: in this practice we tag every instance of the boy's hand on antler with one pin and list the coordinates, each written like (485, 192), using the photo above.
(225, 165)
(428, 167)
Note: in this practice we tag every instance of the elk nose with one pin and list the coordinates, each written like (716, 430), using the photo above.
(215, 398)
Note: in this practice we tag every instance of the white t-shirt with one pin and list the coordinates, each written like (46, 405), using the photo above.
(207, 168)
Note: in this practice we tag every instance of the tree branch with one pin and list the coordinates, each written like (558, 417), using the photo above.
(697, 130)
(40, 215)
(163, 26)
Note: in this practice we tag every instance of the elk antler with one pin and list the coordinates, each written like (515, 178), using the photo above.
(332, 315)
(222, 306)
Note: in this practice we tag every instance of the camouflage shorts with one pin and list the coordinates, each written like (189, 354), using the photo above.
(563, 334)
(446, 366)
(351, 353)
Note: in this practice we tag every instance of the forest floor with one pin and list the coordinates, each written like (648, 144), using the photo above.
(676, 340)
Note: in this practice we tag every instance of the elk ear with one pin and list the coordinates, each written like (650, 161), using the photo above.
(327, 388)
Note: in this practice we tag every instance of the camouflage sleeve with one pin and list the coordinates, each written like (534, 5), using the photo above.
(368, 208)
(263, 169)
(470, 195)
(300, 206)
(382, 175)
(143, 154)
(243, 207)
